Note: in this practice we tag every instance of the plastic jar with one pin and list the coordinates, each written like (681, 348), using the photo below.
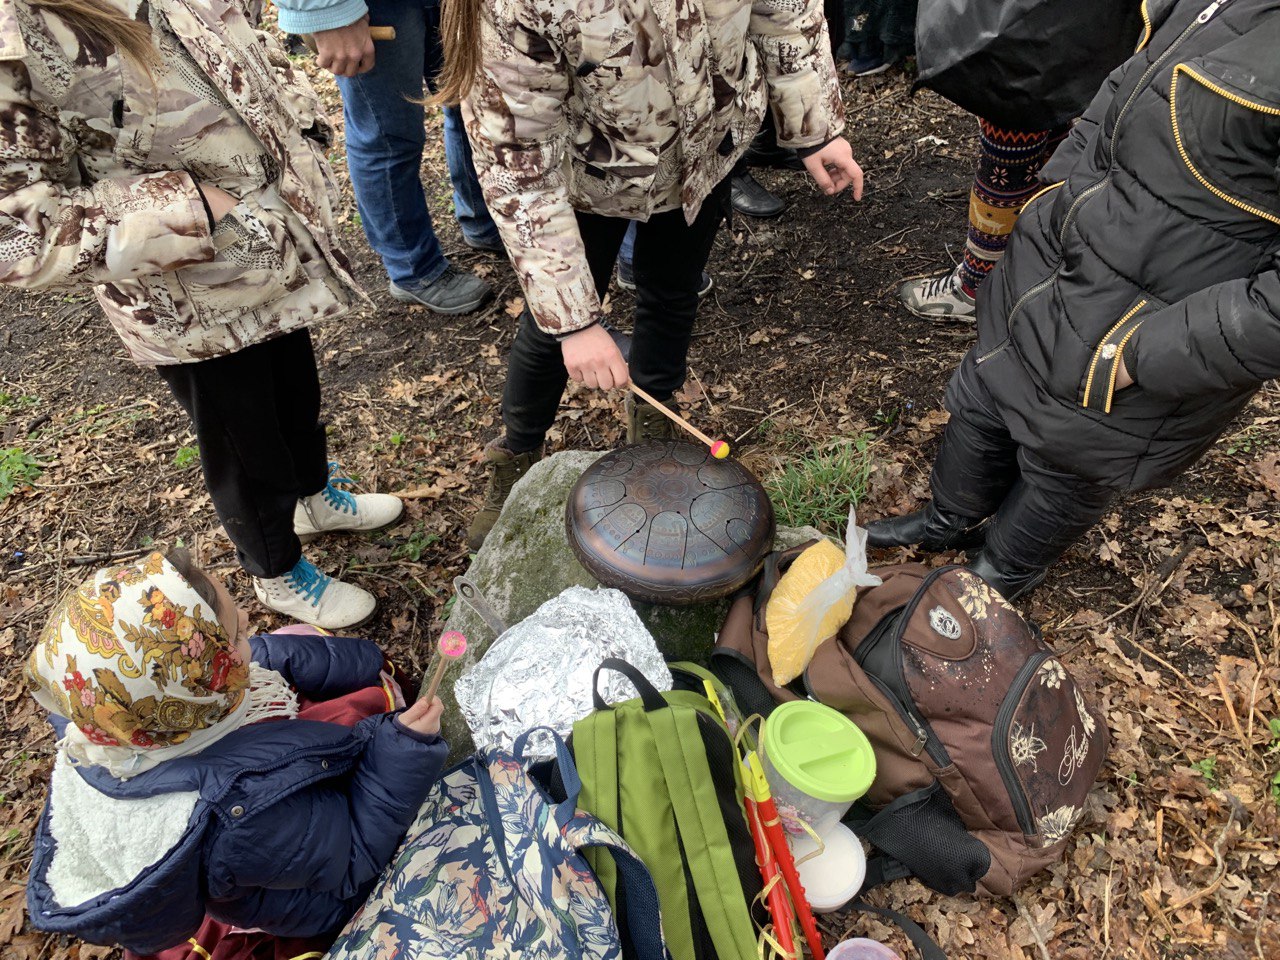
(860, 948)
(833, 877)
(817, 763)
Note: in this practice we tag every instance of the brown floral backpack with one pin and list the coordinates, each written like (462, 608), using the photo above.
(985, 747)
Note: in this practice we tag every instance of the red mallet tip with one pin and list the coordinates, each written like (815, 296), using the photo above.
(719, 449)
(453, 644)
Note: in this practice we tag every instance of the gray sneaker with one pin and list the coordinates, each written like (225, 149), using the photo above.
(938, 298)
(454, 291)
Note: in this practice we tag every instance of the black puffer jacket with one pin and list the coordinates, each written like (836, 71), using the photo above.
(1162, 245)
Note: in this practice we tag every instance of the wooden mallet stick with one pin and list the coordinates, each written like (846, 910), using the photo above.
(376, 34)
(452, 645)
(719, 449)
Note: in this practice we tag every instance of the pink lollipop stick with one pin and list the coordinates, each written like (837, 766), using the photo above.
(452, 645)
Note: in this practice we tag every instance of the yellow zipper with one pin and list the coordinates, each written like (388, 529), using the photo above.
(1146, 28)
(1115, 363)
(1182, 150)
(1038, 194)
(1097, 354)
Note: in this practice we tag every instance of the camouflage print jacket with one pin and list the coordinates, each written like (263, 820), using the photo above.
(98, 169)
(630, 107)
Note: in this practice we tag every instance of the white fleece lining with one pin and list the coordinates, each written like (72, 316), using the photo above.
(101, 843)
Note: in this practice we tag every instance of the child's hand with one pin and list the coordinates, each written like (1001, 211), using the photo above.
(1123, 379)
(833, 168)
(593, 359)
(423, 717)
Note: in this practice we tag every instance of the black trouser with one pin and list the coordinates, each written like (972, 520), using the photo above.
(1037, 510)
(670, 256)
(256, 414)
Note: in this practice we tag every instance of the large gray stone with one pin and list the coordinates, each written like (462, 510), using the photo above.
(526, 560)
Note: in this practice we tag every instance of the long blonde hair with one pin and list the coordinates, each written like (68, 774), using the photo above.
(460, 39)
(99, 19)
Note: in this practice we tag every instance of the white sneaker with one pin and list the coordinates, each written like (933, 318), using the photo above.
(306, 594)
(938, 298)
(335, 509)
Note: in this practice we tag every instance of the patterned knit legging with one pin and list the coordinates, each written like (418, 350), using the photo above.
(1005, 180)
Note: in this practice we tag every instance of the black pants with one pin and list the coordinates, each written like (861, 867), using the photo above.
(1038, 510)
(256, 414)
(670, 256)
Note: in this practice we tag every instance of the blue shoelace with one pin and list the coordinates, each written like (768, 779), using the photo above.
(335, 497)
(307, 581)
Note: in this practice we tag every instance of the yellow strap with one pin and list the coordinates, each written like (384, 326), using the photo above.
(196, 948)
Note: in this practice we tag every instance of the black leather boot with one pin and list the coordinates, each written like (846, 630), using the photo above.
(932, 529)
(750, 197)
(1009, 581)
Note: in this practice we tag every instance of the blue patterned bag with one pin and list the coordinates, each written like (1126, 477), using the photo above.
(492, 869)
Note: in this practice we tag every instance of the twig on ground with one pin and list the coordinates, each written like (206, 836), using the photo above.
(1221, 871)
(1036, 935)
(1231, 710)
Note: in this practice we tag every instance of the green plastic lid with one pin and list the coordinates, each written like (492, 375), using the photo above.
(819, 751)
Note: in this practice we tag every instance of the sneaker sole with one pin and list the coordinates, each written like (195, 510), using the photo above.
(308, 537)
(347, 626)
(470, 307)
(953, 317)
(874, 71)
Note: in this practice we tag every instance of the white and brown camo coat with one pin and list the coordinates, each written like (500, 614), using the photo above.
(627, 108)
(99, 161)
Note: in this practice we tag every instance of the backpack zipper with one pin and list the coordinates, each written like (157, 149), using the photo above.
(895, 687)
(1000, 741)
(1205, 15)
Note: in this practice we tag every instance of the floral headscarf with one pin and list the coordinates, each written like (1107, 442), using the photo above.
(141, 666)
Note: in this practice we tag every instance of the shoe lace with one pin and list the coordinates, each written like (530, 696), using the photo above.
(336, 497)
(307, 581)
(946, 285)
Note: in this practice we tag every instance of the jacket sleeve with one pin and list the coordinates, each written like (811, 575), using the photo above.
(312, 16)
(804, 91)
(515, 116)
(1223, 338)
(314, 856)
(56, 232)
(320, 666)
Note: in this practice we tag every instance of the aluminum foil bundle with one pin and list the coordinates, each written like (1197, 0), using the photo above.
(539, 673)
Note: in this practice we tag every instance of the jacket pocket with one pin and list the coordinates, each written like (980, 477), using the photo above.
(624, 109)
(255, 265)
(1226, 137)
(1099, 387)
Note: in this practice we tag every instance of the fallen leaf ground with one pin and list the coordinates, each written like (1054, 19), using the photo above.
(1167, 613)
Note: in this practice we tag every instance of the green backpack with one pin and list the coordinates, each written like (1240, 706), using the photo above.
(662, 770)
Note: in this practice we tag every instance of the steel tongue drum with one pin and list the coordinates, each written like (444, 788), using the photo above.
(670, 522)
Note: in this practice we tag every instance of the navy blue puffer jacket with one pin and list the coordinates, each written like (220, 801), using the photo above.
(294, 822)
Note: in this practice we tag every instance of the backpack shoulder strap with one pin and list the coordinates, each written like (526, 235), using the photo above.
(709, 857)
(927, 946)
(640, 894)
(595, 748)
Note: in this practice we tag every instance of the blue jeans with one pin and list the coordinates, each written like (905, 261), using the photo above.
(385, 138)
(627, 252)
